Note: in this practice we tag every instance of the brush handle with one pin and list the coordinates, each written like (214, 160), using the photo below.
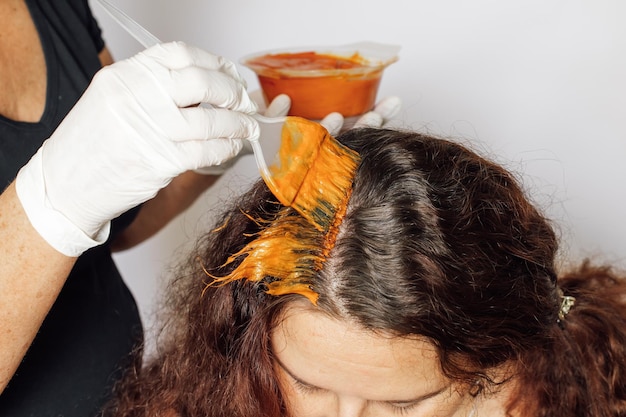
(147, 39)
(141, 34)
(266, 146)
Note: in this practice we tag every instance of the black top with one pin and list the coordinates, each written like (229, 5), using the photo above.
(88, 335)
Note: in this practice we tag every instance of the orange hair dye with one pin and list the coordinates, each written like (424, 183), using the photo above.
(288, 251)
(284, 255)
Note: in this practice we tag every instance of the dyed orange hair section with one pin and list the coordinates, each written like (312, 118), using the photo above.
(286, 254)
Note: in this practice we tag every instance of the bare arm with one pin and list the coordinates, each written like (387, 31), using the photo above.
(32, 274)
(167, 204)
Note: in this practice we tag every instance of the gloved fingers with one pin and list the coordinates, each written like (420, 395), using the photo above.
(178, 55)
(216, 169)
(200, 155)
(193, 85)
(384, 110)
(388, 108)
(369, 119)
(333, 122)
(279, 106)
(203, 123)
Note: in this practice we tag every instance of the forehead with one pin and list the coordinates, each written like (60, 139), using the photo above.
(340, 356)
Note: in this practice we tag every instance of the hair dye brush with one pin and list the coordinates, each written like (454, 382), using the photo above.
(308, 170)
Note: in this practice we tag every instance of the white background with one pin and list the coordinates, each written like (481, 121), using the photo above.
(539, 85)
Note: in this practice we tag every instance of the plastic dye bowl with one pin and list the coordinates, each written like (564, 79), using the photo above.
(322, 80)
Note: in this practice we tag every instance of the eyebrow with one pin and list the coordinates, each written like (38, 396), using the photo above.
(416, 400)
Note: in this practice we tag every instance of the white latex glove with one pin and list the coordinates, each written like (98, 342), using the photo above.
(279, 107)
(136, 127)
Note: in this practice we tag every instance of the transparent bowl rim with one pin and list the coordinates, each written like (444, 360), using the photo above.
(377, 56)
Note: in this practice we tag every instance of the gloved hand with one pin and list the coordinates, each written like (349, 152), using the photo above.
(136, 127)
(383, 112)
(278, 107)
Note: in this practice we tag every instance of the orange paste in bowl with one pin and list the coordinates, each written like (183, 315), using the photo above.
(319, 84)
(303, 61)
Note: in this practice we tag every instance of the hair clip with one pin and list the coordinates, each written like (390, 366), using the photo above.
(567, 302)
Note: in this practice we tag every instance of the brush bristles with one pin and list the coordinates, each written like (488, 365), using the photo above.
(326, 188)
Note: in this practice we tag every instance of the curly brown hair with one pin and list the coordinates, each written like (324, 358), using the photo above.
(437, 241)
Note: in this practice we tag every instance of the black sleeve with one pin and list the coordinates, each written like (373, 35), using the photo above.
(83, 11)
